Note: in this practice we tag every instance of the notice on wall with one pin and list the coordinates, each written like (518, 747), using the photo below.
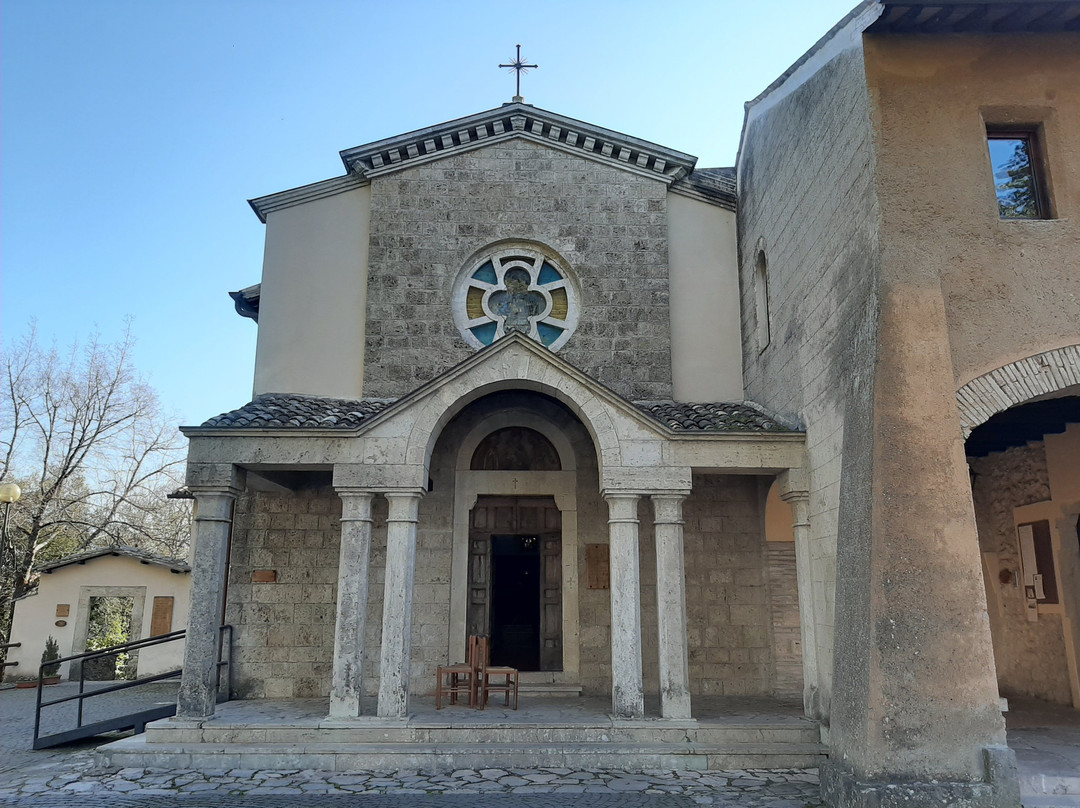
(597, 566)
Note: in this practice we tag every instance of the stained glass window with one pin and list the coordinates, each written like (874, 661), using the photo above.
(516, 289)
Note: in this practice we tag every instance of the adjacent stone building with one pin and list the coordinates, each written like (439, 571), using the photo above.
(692, 432)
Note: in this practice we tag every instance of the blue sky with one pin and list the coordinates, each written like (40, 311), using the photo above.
(134, 131)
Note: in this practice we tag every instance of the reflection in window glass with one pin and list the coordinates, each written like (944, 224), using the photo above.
(1012, 158)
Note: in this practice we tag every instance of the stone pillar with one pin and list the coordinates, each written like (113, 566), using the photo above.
(800, 511)
(914, 715)
(213, 522)
(671, 606)
(347, 682)
(398, 602)
(627, 694)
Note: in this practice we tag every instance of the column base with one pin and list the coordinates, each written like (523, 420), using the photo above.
(841, 789)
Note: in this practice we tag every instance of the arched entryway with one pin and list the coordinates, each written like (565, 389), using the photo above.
(1026, 493)
(521, 463)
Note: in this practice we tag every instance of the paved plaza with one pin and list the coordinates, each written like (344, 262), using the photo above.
(68, 777)
(1049, 740)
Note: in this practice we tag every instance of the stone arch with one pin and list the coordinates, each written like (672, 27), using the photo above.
(1016, 383)
(517, 368)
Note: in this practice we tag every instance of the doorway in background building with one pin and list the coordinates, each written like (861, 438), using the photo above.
(515, 580)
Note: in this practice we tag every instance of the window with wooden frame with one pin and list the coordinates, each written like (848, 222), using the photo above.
(1019, 172)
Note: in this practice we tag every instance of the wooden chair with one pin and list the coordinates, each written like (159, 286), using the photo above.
(485, 672)
(460, 679)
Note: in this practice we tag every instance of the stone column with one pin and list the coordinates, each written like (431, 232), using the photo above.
(347, 682)
(800, 511)
(627, 694)
(213, 522)
(671, 606)
(398, 602)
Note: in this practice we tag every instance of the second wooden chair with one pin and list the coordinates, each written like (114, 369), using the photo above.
(485, 674)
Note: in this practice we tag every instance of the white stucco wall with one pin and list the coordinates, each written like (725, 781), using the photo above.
(706, 342)
(35, 616)
(313, 299)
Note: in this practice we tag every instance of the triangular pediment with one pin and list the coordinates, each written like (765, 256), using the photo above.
(518, 358)
(524, 121)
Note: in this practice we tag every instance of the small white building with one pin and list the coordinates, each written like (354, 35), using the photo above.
(159, 589)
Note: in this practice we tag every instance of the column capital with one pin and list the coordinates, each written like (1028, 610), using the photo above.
(215, 478)
(355, 504)
(622, 506)
(404, 504)
(793, 484)
(667, 507)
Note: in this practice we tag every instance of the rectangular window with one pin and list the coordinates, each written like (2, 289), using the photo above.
(1018, 175)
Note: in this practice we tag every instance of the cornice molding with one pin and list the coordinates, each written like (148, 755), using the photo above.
(518, 121)
(264, 205)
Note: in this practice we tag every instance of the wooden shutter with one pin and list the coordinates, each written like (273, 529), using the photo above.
(161, 618)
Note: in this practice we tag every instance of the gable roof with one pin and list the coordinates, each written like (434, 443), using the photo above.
(518, 120)
(142, 556)
(513, 120)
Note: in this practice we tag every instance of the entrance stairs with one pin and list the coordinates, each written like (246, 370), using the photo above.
(458, 738)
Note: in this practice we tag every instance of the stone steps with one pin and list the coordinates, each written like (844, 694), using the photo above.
(1049, 789)
(174, 732)
(442, 757)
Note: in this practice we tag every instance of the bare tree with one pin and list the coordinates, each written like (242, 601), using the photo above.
(86, 440)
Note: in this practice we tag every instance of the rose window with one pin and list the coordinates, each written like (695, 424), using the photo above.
(517, 289)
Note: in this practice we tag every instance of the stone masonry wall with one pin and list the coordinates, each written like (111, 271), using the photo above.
(807, 196)
(782, 577)
(1030, 657)
(609, 225)
(285, 628)
(730, 631)
(284, 640)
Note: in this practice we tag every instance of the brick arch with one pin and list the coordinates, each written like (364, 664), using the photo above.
(1016, 383)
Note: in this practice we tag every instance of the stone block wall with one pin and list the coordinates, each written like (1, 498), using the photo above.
(738, 603)
(730, 631)
(1030, 657)
(609, 225)
(807, 198)
(783, 584)
(284, 640)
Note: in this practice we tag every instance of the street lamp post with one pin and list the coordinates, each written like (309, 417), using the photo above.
(9, 492)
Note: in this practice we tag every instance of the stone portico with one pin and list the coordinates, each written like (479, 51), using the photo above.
(407, 489)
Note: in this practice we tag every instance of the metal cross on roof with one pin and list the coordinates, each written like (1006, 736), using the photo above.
(519, 66)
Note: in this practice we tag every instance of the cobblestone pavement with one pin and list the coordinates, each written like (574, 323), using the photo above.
(523, 788)
(67, 777)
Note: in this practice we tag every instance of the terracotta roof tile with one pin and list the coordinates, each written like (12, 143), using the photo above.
(720, 417)
(279, 411)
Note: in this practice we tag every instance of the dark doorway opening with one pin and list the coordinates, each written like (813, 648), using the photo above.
(515, 600)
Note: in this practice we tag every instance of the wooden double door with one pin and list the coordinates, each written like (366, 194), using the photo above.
(515, 580)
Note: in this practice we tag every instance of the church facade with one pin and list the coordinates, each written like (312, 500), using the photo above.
(670, 434)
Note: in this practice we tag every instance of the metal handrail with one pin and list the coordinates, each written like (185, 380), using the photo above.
(5, 646)
(127, 646)
(223, 649)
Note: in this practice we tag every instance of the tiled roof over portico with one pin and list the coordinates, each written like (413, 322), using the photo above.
(279, 411)
(274, 410)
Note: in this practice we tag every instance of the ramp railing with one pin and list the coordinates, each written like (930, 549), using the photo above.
(136, 720)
